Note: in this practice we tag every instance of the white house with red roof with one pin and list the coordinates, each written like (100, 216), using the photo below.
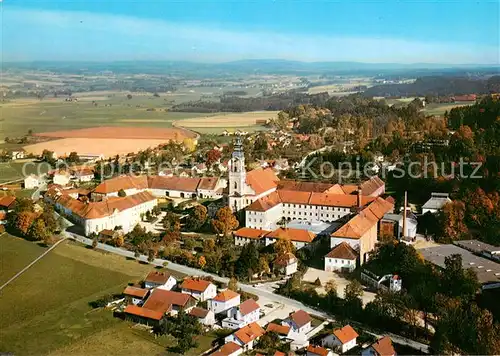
(199, 289)
(318, 351)
(381, 347)
(342, 339)
(341, 258)
(299, 323)
(224, 301)
(161, 280)
(204, 316)
(241, 315)
(286, 263)
(246, 337)
(136, 295)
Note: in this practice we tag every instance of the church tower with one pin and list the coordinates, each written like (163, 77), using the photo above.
(237, 176)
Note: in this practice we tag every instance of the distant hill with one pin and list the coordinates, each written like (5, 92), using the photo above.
(438, 86)
(253, 66)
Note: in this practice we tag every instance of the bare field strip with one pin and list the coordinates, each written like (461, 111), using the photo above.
(108, 147)
(229, 120)
(122, 133)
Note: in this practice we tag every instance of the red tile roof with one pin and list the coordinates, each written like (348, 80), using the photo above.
(248, 306)
(136, 292)
(157, 277)
(199, 285)
(278, 329)
(343, 251)
(162, 300)
(122, 182)
(383, 347)
(337, 200)
(294, 197)
(292, 234)
(300, 318)
(345, 334)
(265, 203)
(371, 186)
(144, 312)
(208, 183)
(226, 295)
(317, 350)
(185, 184)
(365, 220)
(299, 186)
(198, 312)
(250, 233)
(250, 332)
(7, 201)
(262, 180)
(227, 349)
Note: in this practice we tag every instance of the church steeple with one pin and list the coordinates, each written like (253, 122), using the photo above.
(237, 173)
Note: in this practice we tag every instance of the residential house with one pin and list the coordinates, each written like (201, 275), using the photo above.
(83, 175)
(229, 349)
(18, 154)
(143, 315)
(318, 351)
(32, 181)
(135, 295)
(200, 289)
(241, 315)
(200, 168)
(224, 301)
(283, 331)
(299, 323)
(382, 347)
(246, 235)
(205, 317)
(169, 302)
(161, 280)
(342, 339)
(7, 203)
(342, 258)
(61, 178)
(286, 264)
(247, 336)
(436, 203)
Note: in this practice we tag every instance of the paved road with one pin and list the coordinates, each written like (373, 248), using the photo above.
(31, 264)
(261, 292)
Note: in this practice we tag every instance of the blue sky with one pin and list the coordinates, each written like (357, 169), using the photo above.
(393, 31)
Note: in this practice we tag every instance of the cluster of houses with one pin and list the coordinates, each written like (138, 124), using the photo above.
(161, 295)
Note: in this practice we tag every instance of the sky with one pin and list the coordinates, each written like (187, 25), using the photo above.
(390, 31)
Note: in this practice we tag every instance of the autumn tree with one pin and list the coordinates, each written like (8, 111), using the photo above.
(281, 121)
(202, 262)
(224, 221)
(452, 220)
(208, 245)
(197, 217)
(171, 222)
(282, 246)
(264, 265)
(22, 222)
(73, 157)
(213, 156)
(37, 230)
(118, 241)
(189, 144)
(352, 294)
(233, 284)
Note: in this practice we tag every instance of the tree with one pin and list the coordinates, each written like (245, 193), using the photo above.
(94, 242)
(208, 245)
(73, 157)
(197, 217)
(129, 96)
(118, 241)
(122, 193)
(269, 341)
(185, 328)
(458, 282)
(151, 255)
(23, 221)
(281, 121)
(233, 284)
(353, 303)
(38, 231)
(264, 265)
(283, 246)
(156, 210)
(170, 237)
(189, 144)
(452, 221)
(202, 262)
(331, 287)
(213, 156)
(224, 221)
(248, 261)
(171, 222)
(137, 254)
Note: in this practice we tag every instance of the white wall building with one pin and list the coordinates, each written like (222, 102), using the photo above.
(247, 336)
(205, 317)
(436, 203)
(299, 323)
(32, 181)
(199, 289)
(342, 258)
(224, 301)
(161, 280)
(242, 315)
(342, 339)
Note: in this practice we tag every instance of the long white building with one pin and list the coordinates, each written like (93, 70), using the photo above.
(107, 214)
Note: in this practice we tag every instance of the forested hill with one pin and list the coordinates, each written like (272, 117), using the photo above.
(437, 85)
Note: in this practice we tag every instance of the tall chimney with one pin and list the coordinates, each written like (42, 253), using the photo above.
(360, 198)
(404, 214)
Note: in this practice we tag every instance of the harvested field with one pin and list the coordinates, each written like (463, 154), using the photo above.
(93, 146)
(122, 133)
(217, 123)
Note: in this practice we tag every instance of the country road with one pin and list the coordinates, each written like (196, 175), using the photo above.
(245, 287)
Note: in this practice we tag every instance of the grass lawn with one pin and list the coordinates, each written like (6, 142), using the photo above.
(46, 309)
(10, 171)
